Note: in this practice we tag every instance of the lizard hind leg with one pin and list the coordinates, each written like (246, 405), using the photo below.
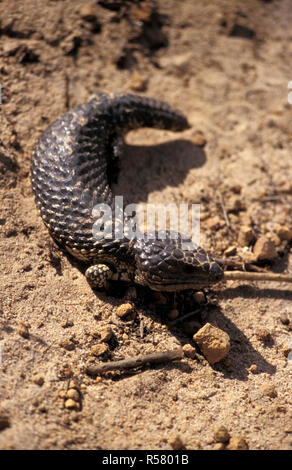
(98, 276)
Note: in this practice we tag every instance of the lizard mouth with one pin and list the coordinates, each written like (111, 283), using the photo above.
(173, 285)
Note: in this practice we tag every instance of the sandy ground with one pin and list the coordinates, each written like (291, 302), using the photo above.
(226, 65)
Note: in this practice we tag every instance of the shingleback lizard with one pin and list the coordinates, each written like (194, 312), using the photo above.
(71, 172)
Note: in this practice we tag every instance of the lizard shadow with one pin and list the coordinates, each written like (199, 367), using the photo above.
(144, 169)
(241, 355)
(235, 366)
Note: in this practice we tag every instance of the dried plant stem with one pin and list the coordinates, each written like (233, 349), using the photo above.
(136, 361)
(252, 276)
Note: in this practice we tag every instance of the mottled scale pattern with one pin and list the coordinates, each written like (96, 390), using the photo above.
(71, 172)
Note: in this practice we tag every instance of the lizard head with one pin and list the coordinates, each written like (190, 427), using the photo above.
(169, 263)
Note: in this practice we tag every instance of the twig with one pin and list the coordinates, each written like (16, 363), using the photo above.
(136, 361)
(231, 263)
(224, 211)
(250, 276)
(183, 317)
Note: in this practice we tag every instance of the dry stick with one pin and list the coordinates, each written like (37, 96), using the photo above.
(136, 361)
(231, 263)
(251, 276)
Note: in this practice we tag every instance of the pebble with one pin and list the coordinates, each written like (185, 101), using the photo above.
(284, 318)
(268, 390)
(173, 314)
(4, 421)
(106, 334)
(199, 297)
(99, 349)
(71, 404)
(214, 223)
(213, 342)
(221, 434)
(125, 310)
(68, 345)
(189, 351)
(23, 330)
(284, 232)
(246, 236)
(275, 239)
(230, 251)
(73, 384)
(237, 443)
(176, 442)
(263, 335)
(138, 82)
(142, 12)
(219, 446)
(38, 380)
(199, 139)
(73, 394)
(264, 249)
(286, 349)
(87, 12)
(253, 369)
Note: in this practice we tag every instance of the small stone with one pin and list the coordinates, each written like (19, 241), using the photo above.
(286, 349)
(87, 12)
(264, 249)
(99, 349)
(189, 351)
(68, 345)
(219, 446)
(73, 394)
(199, 139)
(284, 318)
(125, 310)
(284, 232)
(230, 251)
(236, 188)
(73, 384)
(246, 236)
(235, 205)
(138, 82)
(142, 12)
(199, 297)
(106, 334)
(214, 223)
(62, 394)
(263, 335)
(23, 330)
(173, 314)
(67, 324)
(253, 369)
(237, 443)
(176, 442)
(4, 421)
(221, 434)
(275, 239)
(71, 404)
(268, 390)
(38, 380)
(213, 342)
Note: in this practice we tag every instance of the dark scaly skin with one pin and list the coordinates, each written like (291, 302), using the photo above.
(71, 171)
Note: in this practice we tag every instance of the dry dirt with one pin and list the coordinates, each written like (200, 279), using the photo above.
(226, 65)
